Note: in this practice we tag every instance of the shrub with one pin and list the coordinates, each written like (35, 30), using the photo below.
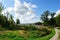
(47, 37)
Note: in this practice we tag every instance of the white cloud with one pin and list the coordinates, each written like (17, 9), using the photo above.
(29, 5)
(49, 17)
(23, 11)
(30, 12)
(34, 6)
(57, 13)
(9, 9)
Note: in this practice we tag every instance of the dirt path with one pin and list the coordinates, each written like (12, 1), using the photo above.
(55, 37)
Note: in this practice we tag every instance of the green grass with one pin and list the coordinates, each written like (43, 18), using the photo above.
(33, 35)
(11, 36)
(59, 28)
(47, 37)
(59, 36)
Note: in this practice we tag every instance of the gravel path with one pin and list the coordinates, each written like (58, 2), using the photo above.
(55, 37)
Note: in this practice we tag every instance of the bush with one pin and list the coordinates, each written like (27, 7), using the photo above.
(28, 27)
(47, 37)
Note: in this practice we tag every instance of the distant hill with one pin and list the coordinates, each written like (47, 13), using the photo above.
(38, 23)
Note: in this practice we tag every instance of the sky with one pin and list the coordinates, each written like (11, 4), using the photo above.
(29, 11)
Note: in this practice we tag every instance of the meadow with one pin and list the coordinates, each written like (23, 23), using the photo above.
(43, 33)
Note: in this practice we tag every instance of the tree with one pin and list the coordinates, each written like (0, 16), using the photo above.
(11, 20)
(57, 18)
(1, 16)
(1, 8)
(7, 15)
(38, 23)
(52, 20)
(8, 23)
(45, 18)
(52, 15)
(17, 21)
(48, 21)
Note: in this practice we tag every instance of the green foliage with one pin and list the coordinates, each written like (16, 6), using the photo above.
(11, 36)
(38, 23)
(59, 28)
(17, 21)
(1, 8)
(6, 21)
(31, 27)
(47, 37)
(45, 18)
(57, 18)
(32, 35)
(52, 19)
(48, 21)
(38, 33)
(28, 27)
(11, 21)
(59, 36)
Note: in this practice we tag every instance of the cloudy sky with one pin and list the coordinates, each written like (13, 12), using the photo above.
(29, 11)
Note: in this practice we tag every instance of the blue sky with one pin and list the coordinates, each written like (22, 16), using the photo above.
(41, 6)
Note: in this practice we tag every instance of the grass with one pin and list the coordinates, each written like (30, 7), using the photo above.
(47, 37)
(12, 35)
(58, 28)
(27, 35)
(59, 36)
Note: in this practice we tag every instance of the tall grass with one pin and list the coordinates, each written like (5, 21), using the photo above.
(47, 37)
(36, 34)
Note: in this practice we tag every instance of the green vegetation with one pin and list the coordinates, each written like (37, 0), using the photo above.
(17, 21)
(27, 35)
(12, 35)
(49, 36)
(11, 30)
(59, 35)
(7, 21)
(58, 28)
(58, 20)
(38, 23)
(48, 21)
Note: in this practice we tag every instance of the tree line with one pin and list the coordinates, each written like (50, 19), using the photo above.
(8, 21)
(52, 21)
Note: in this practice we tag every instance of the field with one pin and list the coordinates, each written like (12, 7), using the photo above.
(39, 34)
